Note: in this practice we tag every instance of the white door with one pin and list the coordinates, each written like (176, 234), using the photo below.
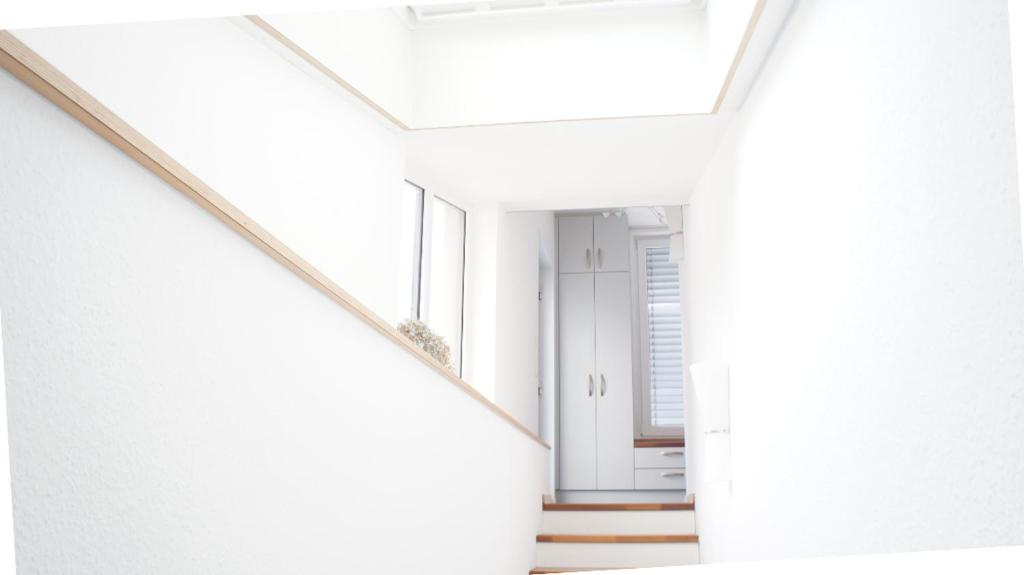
(611, 244)
(577, 385)
(575, 244)
(614, 380)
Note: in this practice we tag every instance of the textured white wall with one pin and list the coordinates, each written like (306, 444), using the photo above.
(179, 403)
(1016, 23)
(6, 507)
(295, 152)
(854, 253)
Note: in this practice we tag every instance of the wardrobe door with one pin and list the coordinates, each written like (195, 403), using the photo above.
(575, 244)
(611, 244)
(577, 383)
(613, 344)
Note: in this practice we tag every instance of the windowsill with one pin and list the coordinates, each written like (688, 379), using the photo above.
(659, 442)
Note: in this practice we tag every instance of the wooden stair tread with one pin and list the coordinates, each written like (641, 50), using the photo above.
(544, 570)
(559, 538)
(659, 442)
(618, 507)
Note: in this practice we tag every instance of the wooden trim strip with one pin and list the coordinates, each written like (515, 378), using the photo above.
(618, 507)
(659, 442)
(617, 538)
(41, 76)
(741, 50)
(323, 69)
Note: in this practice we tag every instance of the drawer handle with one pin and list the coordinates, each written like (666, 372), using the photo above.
(590, 393)
(672, 453)
(588, 258)
(673, 475)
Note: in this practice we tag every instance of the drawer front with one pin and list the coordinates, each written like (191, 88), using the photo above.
(659, 457)
(660, 479)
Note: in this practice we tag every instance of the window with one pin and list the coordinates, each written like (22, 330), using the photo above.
(432, 265)
(410, 264)
(661, 336)
(445, 271)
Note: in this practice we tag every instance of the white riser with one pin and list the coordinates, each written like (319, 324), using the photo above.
(618, 522)
(616, 554)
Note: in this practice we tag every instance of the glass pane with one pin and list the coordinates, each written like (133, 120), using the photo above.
(410, 254)
(447, 251)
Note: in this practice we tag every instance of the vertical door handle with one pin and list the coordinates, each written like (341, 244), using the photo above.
(600, 260)
(590, 393)
(588, 258)
(604, 385)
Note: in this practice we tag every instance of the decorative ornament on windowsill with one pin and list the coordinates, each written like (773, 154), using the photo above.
(421, 335)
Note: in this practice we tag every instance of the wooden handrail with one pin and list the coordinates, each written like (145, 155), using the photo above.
(44, 78)
(741, 50)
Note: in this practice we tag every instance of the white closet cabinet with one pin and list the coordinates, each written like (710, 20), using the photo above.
(578, 400)
(611, 244)
(613, 341)
(595, 356)
(593, 243)
(575, 244)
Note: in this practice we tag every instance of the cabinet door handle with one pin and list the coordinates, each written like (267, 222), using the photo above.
(604, 385)
(588, 258)
(672, 453)
(600, 259)
(591, 392)
(673, 475)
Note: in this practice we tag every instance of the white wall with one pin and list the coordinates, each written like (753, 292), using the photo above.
(1016, 22)
(370, 48)
(523, 236)
(548, 347)
(179, 402)
(571, 165)
(481, 303)
(296, 153)
(6, 504)
(854, 253)
(579, 65)
(501, 357)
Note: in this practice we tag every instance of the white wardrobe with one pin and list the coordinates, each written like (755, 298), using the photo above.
(595, 356)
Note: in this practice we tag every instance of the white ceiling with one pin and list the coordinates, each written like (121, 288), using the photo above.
(646, 217)
(567, 165)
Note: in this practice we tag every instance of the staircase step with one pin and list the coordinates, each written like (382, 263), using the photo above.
(618, 522)
(578, 538)
(545, 570)
(593, 552)
(618, 506)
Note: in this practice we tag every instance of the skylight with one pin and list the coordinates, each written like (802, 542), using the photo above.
(431, 13)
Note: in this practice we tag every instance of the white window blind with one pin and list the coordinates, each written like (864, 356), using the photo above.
(664, 338)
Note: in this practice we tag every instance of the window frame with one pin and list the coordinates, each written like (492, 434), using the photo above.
(416, 304)
(641, 241)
